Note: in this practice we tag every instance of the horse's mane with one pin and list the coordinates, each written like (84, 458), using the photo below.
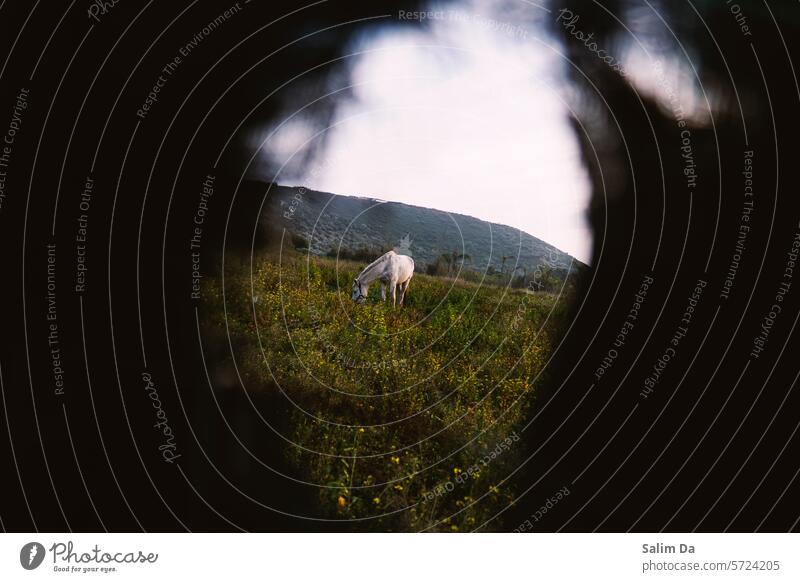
(374, 264)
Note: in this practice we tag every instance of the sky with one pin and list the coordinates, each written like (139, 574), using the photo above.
(465, 117)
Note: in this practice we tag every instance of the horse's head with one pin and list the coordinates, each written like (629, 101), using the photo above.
(359, 294)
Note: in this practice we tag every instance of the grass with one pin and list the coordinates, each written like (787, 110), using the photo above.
(405, 418)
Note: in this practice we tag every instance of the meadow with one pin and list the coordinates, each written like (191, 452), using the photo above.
(407, 419)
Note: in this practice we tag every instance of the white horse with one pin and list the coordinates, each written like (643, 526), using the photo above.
(391, 270)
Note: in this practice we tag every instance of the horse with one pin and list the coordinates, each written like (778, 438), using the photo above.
(391, 270)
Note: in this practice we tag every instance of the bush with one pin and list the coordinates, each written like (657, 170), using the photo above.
(362, 254)
(299, 242)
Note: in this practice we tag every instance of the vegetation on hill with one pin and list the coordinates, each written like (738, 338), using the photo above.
(440, 242)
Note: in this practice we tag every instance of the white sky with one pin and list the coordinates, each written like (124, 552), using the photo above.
(461, 118)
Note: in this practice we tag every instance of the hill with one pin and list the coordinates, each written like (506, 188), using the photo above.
(330, 223)
(399, 419)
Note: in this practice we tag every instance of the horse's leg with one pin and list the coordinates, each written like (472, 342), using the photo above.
(403, 293)
(393, 292)
(383, 291)
(402, 287)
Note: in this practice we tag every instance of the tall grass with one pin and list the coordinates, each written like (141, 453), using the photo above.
(396, 411)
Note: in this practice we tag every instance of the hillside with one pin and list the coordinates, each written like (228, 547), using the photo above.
(404, 419)
(331, 222)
